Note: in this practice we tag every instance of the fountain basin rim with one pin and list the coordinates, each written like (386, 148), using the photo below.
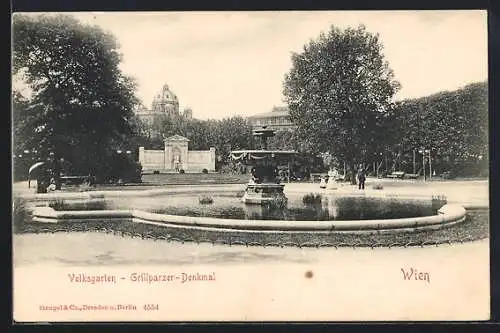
(264, 184)
(283, 152)
(450, 213)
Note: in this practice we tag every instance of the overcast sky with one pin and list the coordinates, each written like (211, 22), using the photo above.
(233, 63)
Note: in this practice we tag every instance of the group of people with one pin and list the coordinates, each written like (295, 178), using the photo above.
(49, 176)
(46, 181)
(361, 176)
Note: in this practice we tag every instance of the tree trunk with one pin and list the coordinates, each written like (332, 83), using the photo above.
(352, 172)
(57, 172)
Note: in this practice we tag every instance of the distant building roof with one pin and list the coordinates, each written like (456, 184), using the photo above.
(165, 95)
(277, 111)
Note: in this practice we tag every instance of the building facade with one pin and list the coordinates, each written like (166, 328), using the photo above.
(277, 119)
(176, 156)
(164, 103)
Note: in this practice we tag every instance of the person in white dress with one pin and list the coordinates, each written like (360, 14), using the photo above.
(333, 173)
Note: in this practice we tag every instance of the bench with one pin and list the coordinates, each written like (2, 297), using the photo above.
(73, 180)
(397, 174)
(447, 175)
(412, 175)
(317, 176)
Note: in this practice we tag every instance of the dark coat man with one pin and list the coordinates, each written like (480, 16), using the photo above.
(361, 179)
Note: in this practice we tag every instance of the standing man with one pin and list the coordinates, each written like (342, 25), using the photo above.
(56, 170)
(361, 178)
(43, 179)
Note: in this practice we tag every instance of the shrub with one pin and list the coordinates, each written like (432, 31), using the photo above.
(312, 198)
(278, 202)
(156, 172)
(95, 205)
(61, 205)
(133, 172)
(204, 170)
(206, 200)
(438, 202)
(378, 187)
(354, 208)
(116, 166)
(57, 204)
(20, 215)
(181, 171)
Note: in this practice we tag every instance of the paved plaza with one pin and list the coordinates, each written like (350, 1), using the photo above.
(456, 191)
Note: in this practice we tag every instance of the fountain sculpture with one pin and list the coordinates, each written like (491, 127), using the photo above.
(265, 184)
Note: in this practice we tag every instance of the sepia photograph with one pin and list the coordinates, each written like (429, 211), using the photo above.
(239, 166)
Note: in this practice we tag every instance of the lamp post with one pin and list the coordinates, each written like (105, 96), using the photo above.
(124, 153)
(378, 167)
(430, 164)
(425, 151)
(414, 163)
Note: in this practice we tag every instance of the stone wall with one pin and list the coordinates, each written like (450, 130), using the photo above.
(190, 161)
(201, 159)
(151, 159)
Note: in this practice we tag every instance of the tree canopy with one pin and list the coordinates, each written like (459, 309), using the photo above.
(339, 92)
(452, 124)
(80, 106)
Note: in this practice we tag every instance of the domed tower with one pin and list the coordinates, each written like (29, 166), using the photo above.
(165, 102)
(188, 113)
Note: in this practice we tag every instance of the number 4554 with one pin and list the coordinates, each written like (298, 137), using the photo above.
(151, 307)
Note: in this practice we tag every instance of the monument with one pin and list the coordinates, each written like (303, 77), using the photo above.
(264, 184)
(176, 156)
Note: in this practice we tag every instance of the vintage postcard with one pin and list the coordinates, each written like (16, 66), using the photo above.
(250, 166)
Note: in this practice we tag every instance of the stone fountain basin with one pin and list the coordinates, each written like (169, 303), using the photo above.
(447, 215)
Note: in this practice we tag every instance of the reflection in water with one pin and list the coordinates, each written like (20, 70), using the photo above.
(329, 208)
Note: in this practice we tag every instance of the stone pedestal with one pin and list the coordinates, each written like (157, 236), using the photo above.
(263, 212)
(262, 193)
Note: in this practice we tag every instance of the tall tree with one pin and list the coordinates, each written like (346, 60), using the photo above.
(338, 90)
(452, 124)
(284, 140)
(81, 103)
